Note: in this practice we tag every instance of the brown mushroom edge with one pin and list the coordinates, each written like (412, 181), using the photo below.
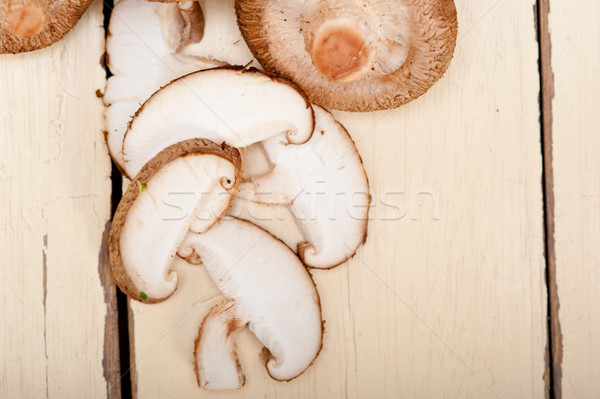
(193, 146)
(240, 69)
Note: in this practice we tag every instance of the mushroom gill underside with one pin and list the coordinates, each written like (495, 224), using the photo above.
(27, 25)
(353, 55)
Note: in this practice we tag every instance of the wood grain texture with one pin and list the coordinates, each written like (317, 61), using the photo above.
(575, 128)
(55, 196)
(447, 298)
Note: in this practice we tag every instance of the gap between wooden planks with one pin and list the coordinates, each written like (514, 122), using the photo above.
(56, 298)
(554, 350)
(570, 44)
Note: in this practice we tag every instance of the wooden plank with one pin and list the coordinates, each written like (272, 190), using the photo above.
(572, 100)
(447, 298)
(59, 334)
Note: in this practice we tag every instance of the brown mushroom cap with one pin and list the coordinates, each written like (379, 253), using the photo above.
(27, 25)
(376, 55)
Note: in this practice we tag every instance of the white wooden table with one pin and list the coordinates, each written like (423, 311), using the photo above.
(480, 277)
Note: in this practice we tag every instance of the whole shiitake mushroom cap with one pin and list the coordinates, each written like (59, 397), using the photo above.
(27, 25)
(353, 55)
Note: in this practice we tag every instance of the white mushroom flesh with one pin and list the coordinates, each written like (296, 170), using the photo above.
(236, 106)
(222, 38)
(217, 364)
(324, 184)
(272, 290)
(162, 213)
(143, 55)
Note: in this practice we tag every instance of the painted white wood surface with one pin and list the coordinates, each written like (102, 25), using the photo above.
(55, 203)
(447, 298)
(575, 38)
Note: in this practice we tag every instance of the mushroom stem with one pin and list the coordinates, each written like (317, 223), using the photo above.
(339, 42)
(193, 18)
(26, 18)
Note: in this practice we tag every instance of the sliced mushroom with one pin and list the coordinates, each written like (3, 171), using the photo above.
(216, 361)
(144, 52)
(222, 38)
(325, 186)
(234, 105)
(27, 25)
(353, 55)
(270, 290)
(191, 181)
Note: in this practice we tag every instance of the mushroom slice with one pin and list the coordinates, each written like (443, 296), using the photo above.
(27, 25)
(353, 55)
(216, 361)
(190, 181)
(232, 104)
(144, 52)
(325, 186)
(272, 292)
